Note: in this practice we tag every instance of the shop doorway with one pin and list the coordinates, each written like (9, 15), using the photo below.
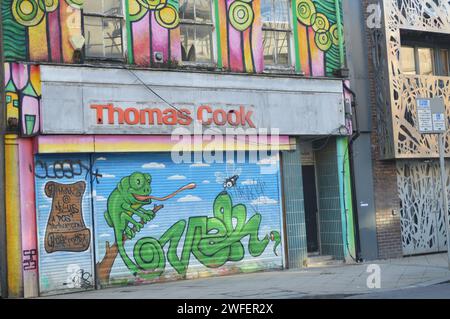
(310, 202)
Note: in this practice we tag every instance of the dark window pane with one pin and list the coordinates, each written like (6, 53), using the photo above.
(196, 43)
(187, 9)
(444, 62)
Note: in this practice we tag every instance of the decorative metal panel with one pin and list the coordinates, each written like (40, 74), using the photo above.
(156, 220)
(64, 218)
(397, 93)
(422, 218)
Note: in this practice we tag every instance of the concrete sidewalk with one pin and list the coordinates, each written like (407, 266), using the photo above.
(339, 281)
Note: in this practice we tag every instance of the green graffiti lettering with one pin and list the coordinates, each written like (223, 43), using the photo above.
(213, 241)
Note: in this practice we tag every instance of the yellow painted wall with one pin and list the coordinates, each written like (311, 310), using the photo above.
(13, 239)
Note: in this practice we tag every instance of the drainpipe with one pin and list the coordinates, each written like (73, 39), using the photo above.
(353, 138)
(3, 269)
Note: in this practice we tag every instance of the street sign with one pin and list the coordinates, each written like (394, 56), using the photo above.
(432, 120)
(431, 115)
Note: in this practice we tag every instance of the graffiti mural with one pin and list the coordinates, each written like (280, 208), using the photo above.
(241, 35)
(153, 26)
(64, 220)
(189, 233)
(41, 30)
(318, 37)
(23, 94)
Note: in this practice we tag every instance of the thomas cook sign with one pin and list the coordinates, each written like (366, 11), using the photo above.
(79, 100)
(207, 115)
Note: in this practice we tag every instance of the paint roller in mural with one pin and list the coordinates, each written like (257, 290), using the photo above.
(241, 35)
(66, 230)
(213, 241)
(317, 28)
(161, 17)
(42, 30)
(23, 94)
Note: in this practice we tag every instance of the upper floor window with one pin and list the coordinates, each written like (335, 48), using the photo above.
(423, 60)
(276, 32)
(196, 28)
(103, 20)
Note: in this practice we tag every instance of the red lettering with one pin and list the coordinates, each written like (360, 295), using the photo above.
(149, 114)
(111, 114)
(223, 116)
(248, 119)
(170, 117)
(237, 117)
(135, 113)
(184, 117)
(99, 113)
(200, 114)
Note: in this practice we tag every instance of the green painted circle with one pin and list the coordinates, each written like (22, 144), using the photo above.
(323, 40)
(48, 5)
(77, 4)
(27, 12)
(306, 11)
(321, 23)
(241, 15)
(149, 254)
(334, 31)
(153, 4)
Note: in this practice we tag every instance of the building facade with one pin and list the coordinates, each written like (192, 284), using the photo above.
(120, 165)
(408, 62)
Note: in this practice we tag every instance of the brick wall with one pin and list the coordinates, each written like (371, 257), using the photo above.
(385, 176)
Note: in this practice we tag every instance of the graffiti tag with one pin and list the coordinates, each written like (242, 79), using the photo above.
(30, 263)
(78, 278)
(67, 169)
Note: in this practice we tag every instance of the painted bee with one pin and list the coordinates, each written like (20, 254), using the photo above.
(231, 182)
(228, 182)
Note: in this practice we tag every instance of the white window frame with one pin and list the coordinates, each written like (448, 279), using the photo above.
(214, 52)
(123, 27)
(291, 65)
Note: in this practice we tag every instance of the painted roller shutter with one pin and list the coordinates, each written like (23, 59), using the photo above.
(244, 220)
(64, 218)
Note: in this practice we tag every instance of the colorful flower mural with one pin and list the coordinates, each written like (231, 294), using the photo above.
(241, 35)
(41, 30)
(317, 37)
(153, 26)
(23, 94)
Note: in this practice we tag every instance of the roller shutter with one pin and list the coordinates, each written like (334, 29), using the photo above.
(227, 219)
(64, 218)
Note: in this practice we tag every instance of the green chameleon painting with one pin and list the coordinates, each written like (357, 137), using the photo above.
(213, 241)
(128, 199)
